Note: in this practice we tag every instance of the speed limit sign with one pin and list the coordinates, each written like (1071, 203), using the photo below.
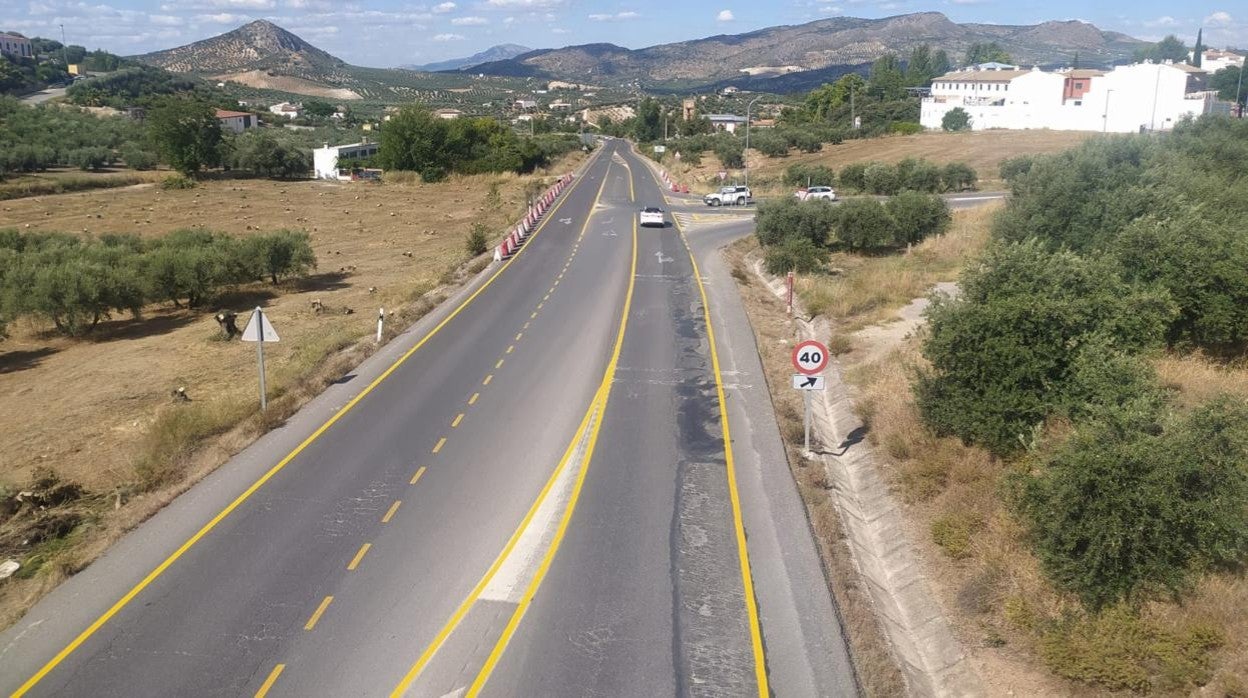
(810, 357)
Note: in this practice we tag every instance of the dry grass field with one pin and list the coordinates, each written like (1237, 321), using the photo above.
(97, 412)
(982, 150)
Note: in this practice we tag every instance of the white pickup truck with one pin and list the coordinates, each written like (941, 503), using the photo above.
(735, 195)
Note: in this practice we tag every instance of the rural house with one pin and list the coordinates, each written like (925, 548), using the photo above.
(235, 121)
(326, 161)
(726, 122)
(16, 46)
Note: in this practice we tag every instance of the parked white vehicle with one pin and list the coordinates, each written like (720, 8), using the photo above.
(808, 193)
(652, 215)
(735, 195)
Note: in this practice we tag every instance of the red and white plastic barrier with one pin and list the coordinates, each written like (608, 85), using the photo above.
(528, 223)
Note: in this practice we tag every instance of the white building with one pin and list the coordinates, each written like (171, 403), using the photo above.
(236, 121)
(325, 160)
(448, 114)
(287, 109)
(726, 122)
(1127, 99)
(1214, 60)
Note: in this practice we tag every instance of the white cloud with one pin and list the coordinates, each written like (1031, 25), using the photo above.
(724, 16)
(222, 18)
(320, 5)
(444, 7)
(469, 21)
(1219, 19)
(1163, 21)
(558, 30)
(165, 20)
(509, 20)
(241, 4)
(614, 17)
(968, 2)
(525, 4)
(448, 37)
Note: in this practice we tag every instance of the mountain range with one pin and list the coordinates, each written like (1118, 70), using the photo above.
(501, 52)
(783, 58)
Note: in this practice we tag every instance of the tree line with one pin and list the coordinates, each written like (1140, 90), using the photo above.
(1105, 256)
(74, 281)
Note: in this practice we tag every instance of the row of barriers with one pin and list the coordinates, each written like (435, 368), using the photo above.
(519, 234)
(673, 186)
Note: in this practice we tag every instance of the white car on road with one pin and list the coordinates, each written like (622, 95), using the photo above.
(652, 215)
(826, 193)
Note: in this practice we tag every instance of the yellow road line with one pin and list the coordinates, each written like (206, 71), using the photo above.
(459, 418)
(526, 326)
(316, 615)
(441, 443)
(390, 513)
(533, 316)
(511, 348)
(268, 683)
(246, 494)
(499, 364)
(468, 602)
(473, 400)
(604, 393)
(488, 379)
(416, 477)
(519, 335)
(743, 555)
(539, 305)
(355, 561)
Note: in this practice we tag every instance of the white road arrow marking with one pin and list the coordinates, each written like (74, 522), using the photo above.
(566, 221)
(662, 259)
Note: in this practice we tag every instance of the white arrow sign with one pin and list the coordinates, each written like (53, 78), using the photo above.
(662, 259)
(566, 221)
(260, 329)
(801, 382)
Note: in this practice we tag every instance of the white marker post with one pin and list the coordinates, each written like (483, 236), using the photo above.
(809, 358)
(381, 321)
(260, 330)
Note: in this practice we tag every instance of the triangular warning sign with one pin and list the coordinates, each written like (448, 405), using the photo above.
(259, 321)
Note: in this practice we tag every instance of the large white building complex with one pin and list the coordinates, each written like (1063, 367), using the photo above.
(1127, 99)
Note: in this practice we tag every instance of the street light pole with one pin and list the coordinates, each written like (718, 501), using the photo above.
(1239, 89)
(1105, 116)
(745, 154)
(64, 49)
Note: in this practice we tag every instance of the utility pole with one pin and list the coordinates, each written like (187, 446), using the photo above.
(64, 49)
(1105, 116)
(1239, 89)
(745, 154)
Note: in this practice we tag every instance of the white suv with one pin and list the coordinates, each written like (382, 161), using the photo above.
(826, 193)
(729, 195)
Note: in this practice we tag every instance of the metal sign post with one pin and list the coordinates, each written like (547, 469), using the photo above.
(260, 330)
(809, 358)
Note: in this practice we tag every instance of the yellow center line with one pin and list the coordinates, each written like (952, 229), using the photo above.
(441, 443)
(533, 316)
(539, 305)
(602, 398)
(511, 348)
(488, 379)
(473, 400)
(316, 615)
(416, 477)
(519, 335)
(499, 364)
(355, 561)
(268, 683)
(594, 407)
(526, 326)
(547, 296)
(390, 513)
(458, 418)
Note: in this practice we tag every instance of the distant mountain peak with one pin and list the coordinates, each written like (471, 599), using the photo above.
(258, 45)
(500, 52)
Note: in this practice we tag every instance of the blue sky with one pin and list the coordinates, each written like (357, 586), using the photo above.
(385, 33)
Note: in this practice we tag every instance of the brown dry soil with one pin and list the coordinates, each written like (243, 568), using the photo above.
(982, 150)
(79, 413)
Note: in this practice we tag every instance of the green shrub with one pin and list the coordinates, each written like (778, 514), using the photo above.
(178, 182)
(801, 175)
(138, 159)
(1015, 167)
(881, 178)
(279, 254)
(1122, 511)
(787, 217)
(953, 532)
(89, 158)
(477, 240)
(731, 152)
(803, 139)
(769, 143)
(797, 254)
(922, 176)
(905, 128)
(958, 176)
(956, 119)
(1003, 354)
(917, 216)
(854, 176)
(864, 224)
(1120, 651)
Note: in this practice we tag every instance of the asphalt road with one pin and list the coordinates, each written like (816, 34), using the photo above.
(44, 95)
(536, 500)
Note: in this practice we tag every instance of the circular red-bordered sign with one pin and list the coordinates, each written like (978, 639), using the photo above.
(810, 357)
